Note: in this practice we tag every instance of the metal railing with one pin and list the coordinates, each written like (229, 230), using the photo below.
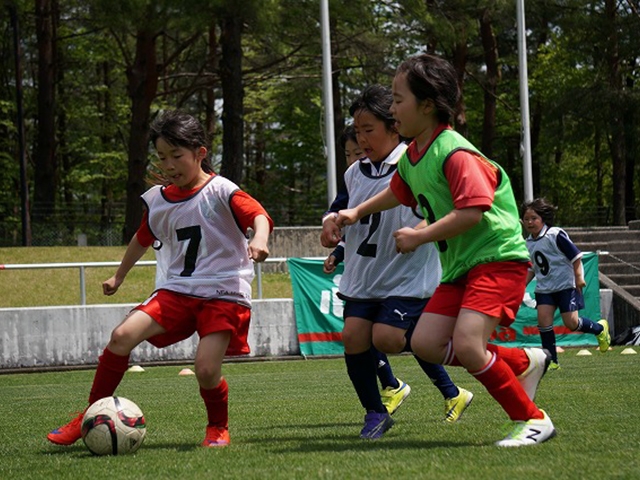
(81, 266)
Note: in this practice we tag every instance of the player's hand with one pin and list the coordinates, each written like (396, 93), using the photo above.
(407, 240)
(258, 250)
(347, 217)
(109, 287)
(580, 283)
(330, 232)
(329, 265)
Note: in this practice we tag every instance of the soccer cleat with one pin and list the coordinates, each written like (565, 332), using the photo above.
(375, 424)
(604, 338)
(455, 407)
(392, 398)
(539, 359)
(554, 366)
(67, 434)
(216, 437)
(531, 432)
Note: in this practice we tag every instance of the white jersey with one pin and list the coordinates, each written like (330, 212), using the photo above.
(373, 270)
(200, 248)
(553, 267)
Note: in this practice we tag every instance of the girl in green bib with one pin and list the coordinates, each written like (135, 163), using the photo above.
(473, 220)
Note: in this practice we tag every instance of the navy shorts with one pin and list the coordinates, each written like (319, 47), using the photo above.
(569, 300)
(397, 312)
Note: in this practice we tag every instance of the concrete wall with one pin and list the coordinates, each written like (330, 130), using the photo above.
(76, 335)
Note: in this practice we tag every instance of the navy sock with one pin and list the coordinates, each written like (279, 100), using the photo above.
(589, 326)
(385, 374)
(548, 338)
(439, 377)
(361, 368)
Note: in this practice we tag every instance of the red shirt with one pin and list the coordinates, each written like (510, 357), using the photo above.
(244, 206)
(472, 179)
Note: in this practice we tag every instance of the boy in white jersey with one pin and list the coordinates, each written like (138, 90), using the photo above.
(198, 225)
(557, 268)
(384, 292)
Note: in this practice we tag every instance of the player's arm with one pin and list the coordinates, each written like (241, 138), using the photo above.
(258, 249)
(251, 214)
(472, 182)
(578, 273)
(135, 251)
(384, 200)
(453, 224)
(331, 235)
(530, 275)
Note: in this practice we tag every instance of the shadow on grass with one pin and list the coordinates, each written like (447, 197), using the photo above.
(338, 441)
(79, 449)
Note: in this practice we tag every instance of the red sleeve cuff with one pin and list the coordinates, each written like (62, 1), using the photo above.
(402, 191)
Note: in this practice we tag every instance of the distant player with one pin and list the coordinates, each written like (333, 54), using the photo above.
(557, 268)
(198, 225)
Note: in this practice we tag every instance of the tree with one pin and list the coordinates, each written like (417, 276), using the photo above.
(46, 168)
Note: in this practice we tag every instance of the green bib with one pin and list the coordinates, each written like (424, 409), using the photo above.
(498, 236)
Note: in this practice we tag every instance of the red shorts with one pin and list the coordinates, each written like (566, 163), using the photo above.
(181, 316)
(495, 289)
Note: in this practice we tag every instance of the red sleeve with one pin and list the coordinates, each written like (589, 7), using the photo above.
(145, 237)
(472, 180)
(246, 209)
(402, 191)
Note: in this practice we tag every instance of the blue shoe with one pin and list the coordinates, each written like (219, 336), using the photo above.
(375, 424)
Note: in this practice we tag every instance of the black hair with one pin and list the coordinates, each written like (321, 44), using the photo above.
(543, 208)
(432, 78)
(377, 100)
(349, 133)
(181, 130)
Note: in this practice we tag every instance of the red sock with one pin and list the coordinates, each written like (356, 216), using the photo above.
(516, 358)
(111, 368)
(500, 381)
(216, 401)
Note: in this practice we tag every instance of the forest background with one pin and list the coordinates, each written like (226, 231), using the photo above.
(80, 80)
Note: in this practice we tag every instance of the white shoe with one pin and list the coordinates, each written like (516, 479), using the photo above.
(531, 432)
(539, 359)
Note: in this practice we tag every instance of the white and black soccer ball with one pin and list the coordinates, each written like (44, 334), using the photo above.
(113, 426)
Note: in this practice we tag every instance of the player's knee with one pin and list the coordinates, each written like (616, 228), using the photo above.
(390, 344)
(120, 342)
(208, 375)
(354, 341)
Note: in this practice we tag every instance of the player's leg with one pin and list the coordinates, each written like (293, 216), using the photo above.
(469, 340)
(361, 368)
(384, 371)
(546, 312)
(214, 389)
(393, 391)
(572, 301)
(391, 340)
(112, 365)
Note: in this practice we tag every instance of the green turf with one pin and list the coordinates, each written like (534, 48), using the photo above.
(301, 419)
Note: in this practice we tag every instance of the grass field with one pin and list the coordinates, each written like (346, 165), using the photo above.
(301, 419)
(48, 287)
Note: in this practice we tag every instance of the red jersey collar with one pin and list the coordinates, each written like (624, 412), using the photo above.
(415, 155)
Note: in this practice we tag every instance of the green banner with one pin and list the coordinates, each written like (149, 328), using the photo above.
(319, 320)
(317, 308)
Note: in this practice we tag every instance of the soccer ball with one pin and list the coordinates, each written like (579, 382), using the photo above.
(113, 426)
